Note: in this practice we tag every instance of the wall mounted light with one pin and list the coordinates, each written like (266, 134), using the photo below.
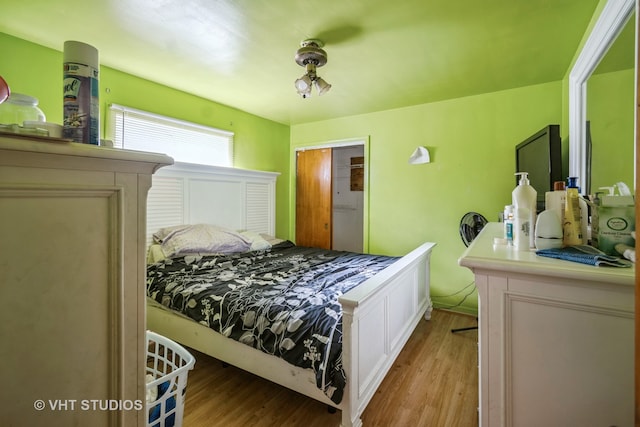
(310, 55)
(420, 155)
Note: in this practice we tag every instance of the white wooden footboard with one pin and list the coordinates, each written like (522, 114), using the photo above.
(378, 318)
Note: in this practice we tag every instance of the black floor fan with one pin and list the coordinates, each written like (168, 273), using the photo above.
(470, 226)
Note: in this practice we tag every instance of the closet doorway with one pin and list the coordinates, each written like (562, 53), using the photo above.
(330, 204)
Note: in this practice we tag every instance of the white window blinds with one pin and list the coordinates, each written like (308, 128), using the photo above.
(184, 141)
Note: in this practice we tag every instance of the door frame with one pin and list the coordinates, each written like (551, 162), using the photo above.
(347, 142)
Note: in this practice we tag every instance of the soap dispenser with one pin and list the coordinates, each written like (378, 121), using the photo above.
(524, 198)
(571, 226)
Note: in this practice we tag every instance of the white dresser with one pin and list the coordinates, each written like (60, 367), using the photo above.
(72, 272)
(556, 338)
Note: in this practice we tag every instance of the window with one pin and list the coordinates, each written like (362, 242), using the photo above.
(184, 141)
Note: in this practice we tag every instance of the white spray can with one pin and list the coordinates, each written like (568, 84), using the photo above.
(81, 108)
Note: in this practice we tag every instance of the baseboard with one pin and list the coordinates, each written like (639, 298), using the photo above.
(467, 311)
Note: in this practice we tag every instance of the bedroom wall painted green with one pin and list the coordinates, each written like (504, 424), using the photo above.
(258, 143)
(610, 109)
(471, 141)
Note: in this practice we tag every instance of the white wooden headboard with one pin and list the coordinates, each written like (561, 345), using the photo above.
(186, 193)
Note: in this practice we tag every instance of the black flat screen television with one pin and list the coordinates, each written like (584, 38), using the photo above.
(541, 156)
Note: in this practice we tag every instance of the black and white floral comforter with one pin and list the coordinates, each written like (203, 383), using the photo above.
(282, 301)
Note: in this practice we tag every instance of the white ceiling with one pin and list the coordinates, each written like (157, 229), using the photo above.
(382, 54)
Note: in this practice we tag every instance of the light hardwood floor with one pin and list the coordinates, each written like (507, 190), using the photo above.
(434, 382)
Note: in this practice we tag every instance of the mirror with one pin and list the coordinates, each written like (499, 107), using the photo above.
(611, 113)
(611, 23)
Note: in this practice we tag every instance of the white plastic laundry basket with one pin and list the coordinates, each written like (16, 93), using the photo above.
(168, 365)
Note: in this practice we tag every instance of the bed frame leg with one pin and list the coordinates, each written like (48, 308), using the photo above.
(331, 409)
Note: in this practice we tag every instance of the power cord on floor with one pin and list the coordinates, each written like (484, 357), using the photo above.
(434, 297)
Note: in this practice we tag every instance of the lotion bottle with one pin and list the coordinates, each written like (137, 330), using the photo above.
(508, 224)
(584, 220)
(555, 200)
(521, 228)
(571, 227)
(584, 216)
(524, 206)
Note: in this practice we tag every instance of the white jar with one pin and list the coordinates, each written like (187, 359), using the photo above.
(19, 108)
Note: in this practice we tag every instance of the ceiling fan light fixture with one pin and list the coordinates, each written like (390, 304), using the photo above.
(311, 52)
(321, 86)
(310, 55)
(303, 83)
(306, 93)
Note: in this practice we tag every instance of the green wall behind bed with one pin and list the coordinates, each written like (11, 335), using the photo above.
(258, 143)
(471, 141)
(472, 144)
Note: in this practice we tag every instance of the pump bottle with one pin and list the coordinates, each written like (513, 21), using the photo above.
(571, 228)
(524, 207)
(555, 200)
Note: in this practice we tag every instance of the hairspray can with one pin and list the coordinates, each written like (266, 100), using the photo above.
(81, 122)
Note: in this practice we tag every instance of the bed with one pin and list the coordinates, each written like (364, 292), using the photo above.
(377, 314)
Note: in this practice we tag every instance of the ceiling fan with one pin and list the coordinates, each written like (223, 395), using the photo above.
(311, 55)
